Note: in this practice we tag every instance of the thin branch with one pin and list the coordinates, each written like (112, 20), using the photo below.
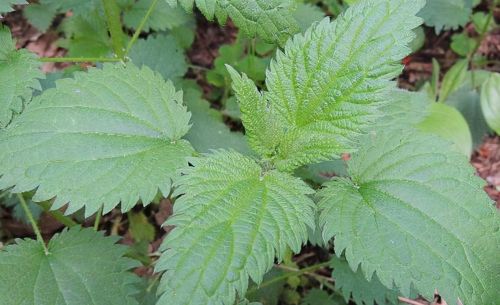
(98, 218)
(113, 20)
(141, 26)
(33, 223)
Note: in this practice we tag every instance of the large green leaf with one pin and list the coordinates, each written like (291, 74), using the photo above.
(354, 284)
(446, 14)
(490, 101)
(325, 88)
(232, 220)
(19, 73)
(415, 213)
(271, 20)
(104, 137)
(82, 267)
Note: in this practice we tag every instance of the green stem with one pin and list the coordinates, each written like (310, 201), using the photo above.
(78, 59)
(288, 274)
(484, 31)
(113, 20)
(33, 223)
(98, 219)
(141, 26)
(58, 215)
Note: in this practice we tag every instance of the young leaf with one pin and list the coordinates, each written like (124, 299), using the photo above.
(453, 79)
(415, 213)
(231, 222)
(354, 283)
(19, 74)
(105, 137)
(325, 88)
(40, 15)
(490, 101)
(446, 14)
(271, 20)
(82, 267)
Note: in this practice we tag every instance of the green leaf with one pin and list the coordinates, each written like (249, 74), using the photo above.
(40, 16)
(231, 221)
(446, 14)
(19, 74)
(453, 79)
(271, 20)
(320, 297)
(415, 213)
(462, 44)
(6, 5)
(268, 295)
(325, 88)
(83, 267)
(363, 291)
(449, 123)
(209, 131)
(162, 54)
(405, 109)
(468, 102)
(104, 137)
(162, 18)
(490, 101)
(86, 36)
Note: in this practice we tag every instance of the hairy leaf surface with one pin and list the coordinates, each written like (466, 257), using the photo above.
(354, 283)
(19, 74)
(271, 20)
(231, 222)
(104, 137)
(82, 267)
(325, 88)
(414, 212)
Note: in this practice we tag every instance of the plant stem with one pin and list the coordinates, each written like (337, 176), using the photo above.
(484, 31)
(113, 20)
(98, 219)
(78, 59)
(58, 215)
(141, 26)
(288, 274)
(33, 223)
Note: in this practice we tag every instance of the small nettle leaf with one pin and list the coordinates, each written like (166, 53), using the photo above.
(446, 14)
(6, 5)
(354, 284)
(19, 74)
(271, 20)
(325, 89)
(208, 130)
(107, 136)
(82, 267)
(415, 213)
(231, 222)
(162, 54)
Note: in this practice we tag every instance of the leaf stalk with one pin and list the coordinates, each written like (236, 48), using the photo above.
(33, 223)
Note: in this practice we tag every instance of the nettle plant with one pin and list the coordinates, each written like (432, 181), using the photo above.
(409, 217)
